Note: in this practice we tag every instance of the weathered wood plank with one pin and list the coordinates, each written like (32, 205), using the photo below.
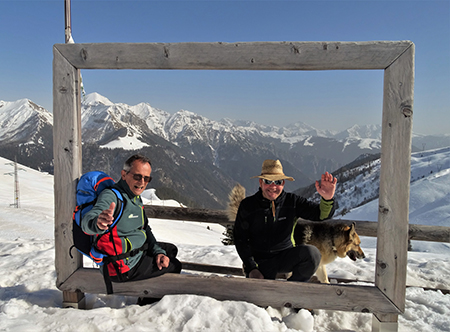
(415, 232)
(390, 271)
(187, 214)
(260, 292)
(236, 271)
(384, 323)
(75, 300)
(429, 233)
(364, 228)
(235, 56)
(227, 270)
(67, 160)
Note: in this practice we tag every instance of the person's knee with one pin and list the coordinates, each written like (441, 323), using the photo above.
(170, 249)
(316, 256)
(177, 266)
(309, 260)
(309, 253)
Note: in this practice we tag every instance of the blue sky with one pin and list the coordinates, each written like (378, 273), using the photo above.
(324, 99)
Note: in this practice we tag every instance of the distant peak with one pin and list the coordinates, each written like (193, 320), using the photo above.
(96, 98)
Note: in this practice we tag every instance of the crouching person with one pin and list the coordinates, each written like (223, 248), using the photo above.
(265, 222)
(133, 252)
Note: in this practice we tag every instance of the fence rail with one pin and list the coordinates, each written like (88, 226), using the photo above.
(364, 228)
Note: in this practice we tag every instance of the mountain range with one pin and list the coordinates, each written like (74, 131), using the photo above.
(195, 160)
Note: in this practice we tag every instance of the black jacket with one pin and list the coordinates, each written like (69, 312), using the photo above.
(257, 233)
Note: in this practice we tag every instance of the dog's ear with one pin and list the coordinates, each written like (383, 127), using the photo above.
(346, 229)
(353, 229)
(349, 232)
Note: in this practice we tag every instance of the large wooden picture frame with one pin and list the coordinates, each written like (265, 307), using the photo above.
(386, 299)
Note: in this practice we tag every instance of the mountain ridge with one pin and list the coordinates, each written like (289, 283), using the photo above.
(228, 150)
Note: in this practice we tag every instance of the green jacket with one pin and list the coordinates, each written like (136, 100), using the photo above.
(130, 232)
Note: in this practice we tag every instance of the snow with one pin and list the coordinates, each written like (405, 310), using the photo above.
(95, 98)
(129, 142)
(429, 201)
(30, 301)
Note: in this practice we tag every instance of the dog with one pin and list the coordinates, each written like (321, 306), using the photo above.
(332, 239)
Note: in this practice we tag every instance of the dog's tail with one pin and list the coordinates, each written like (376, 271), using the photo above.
(235, 197)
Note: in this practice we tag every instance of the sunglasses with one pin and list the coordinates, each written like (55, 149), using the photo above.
(277, 182)
(139, 177)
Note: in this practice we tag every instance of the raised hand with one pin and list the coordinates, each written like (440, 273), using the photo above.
(106, 217)
(327, 186)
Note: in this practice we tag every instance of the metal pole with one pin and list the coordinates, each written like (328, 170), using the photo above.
(68, 27)
(16, 203)
(16, 185)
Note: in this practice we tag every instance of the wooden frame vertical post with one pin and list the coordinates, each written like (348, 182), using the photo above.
(391, 264)
(67, 167)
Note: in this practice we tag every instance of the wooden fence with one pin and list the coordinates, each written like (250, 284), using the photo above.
(365, 228)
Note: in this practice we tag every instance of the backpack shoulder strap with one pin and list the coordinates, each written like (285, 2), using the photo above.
(145, 219)
(119, 208)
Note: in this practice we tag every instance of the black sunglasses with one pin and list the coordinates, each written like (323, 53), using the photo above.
(139, 177)
(277, 182)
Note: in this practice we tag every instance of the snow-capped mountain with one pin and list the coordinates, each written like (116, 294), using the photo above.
(22, 121)
(103, 121)
(358, 185)
(235, 147)
(26, 133)
(429, 200)
(186, 125)
(215, 154)
(358, 132)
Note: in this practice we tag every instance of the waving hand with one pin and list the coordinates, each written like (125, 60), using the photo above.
(327, 186)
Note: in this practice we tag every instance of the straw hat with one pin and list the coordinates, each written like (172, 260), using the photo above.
(272, 171)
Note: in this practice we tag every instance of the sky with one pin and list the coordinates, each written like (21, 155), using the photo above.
(30, 301)
(333, 100)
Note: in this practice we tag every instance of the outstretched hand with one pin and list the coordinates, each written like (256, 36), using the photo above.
(327, 186)
(106, 217)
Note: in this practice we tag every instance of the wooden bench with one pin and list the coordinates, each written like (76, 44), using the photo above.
(274, 293)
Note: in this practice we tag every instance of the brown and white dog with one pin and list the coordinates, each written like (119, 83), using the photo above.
(332, 239)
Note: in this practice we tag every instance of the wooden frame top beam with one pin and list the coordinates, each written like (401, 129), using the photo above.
(235, 56)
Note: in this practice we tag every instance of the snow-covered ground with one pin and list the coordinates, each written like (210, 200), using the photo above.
(29, 300)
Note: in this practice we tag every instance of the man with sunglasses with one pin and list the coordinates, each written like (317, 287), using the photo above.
(132, 237)
(265, 221)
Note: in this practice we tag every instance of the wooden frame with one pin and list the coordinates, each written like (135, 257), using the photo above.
(386, 299)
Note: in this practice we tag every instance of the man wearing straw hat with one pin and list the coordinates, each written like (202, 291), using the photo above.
(265, 223)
